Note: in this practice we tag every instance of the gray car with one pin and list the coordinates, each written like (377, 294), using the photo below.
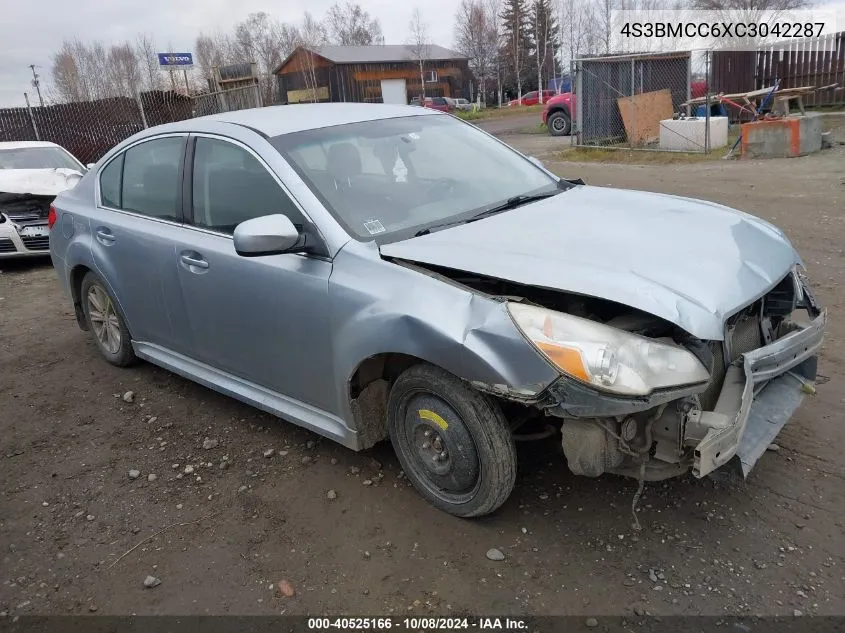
(373, 271)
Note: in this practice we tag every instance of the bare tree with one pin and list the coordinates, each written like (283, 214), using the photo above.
(312, 34)
(257, 39)
(207, 56)
(604, 17)
(124, 71)
(545, 40)
(517, 42)
(476, 36)
(350, 25)
(577, 30)
(92, 71)
(68, 84)
(750, 6)
(145, 51)
(419, 45)
(492, 8)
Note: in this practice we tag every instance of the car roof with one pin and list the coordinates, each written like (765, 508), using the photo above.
(26, 144)
(285, 119)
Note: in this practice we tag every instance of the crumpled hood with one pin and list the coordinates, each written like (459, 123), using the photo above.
(39, 182)
(691, 262)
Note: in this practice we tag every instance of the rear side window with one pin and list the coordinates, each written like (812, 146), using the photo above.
(151, 184)
(110, 183)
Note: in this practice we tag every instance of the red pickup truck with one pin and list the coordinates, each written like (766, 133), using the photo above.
(558, 113)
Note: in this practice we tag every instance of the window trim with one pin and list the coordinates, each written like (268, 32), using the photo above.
(98, 196)
(320, 250)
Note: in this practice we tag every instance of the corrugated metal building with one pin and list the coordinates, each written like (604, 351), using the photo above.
(372, 74)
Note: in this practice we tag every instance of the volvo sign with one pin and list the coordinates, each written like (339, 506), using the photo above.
(175, 59)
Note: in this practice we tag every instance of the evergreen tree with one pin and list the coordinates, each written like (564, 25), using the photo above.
(516, 43)
(545, 31)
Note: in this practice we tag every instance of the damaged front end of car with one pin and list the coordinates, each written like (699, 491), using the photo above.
(25, 199)
(23, 224)
(759, 375)
(728, 399)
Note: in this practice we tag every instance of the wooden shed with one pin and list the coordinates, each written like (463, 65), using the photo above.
(371, 74)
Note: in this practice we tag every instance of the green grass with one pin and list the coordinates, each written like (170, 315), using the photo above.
(540, 128)
(496, 113)
(641, 157)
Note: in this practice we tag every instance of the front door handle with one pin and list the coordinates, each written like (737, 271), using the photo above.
(194, 261)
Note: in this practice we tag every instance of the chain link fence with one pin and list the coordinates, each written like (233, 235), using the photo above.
(88, 129)
(638, 101)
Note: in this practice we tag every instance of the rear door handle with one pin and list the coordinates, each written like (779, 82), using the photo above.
(105, 236)
(195, 261)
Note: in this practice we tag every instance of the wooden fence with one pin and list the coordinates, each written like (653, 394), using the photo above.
(88, 129)
(794, 63)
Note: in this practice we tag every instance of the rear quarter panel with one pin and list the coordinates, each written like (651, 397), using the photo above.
(70, 237)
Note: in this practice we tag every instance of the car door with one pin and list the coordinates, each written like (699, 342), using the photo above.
(137, 214)
(264, 319)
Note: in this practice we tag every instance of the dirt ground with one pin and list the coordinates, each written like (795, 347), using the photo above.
(220, 524)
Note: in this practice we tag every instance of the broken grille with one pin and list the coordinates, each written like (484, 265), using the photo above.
(743, 335)
(36, 242)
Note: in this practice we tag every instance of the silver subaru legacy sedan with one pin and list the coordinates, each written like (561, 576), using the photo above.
(376, 271)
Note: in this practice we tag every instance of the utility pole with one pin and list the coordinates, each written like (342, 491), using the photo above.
(36, 84)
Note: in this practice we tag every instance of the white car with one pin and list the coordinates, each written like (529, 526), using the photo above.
(32, 173)
(463, 104)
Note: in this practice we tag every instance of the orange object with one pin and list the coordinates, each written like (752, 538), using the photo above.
(569, 360)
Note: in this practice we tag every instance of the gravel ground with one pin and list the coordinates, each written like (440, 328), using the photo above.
(135, 491)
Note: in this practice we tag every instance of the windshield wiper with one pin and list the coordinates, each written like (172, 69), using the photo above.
(510, 203)
(513, 203)
(442, 225)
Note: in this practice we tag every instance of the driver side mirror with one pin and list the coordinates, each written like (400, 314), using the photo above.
(266, 235)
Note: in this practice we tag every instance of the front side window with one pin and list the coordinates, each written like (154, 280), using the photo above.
(151, 184)
(231, 186)
(387, 179)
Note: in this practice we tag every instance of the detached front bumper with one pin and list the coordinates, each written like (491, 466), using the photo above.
(757, 399)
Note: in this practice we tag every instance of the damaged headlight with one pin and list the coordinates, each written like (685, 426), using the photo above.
(606, 357)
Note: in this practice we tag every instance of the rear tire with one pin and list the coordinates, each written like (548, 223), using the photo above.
(559, 123)
(452, 441)
(105, 322)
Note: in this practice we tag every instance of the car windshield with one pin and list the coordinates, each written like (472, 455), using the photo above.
(391, 178)
(37, 158)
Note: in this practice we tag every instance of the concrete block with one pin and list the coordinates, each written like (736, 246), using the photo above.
(782, 138)
(687, 135)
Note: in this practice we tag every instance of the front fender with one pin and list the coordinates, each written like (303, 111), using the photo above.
(379, 307)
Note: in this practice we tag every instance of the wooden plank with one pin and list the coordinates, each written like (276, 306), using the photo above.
(642, 114)
(840, 61)
(826, 65)
(759, 76)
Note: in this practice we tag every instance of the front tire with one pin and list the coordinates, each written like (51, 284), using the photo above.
(105, 322)
(452, 441)
(559, 124)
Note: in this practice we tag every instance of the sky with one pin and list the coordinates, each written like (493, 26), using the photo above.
(33, 31)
